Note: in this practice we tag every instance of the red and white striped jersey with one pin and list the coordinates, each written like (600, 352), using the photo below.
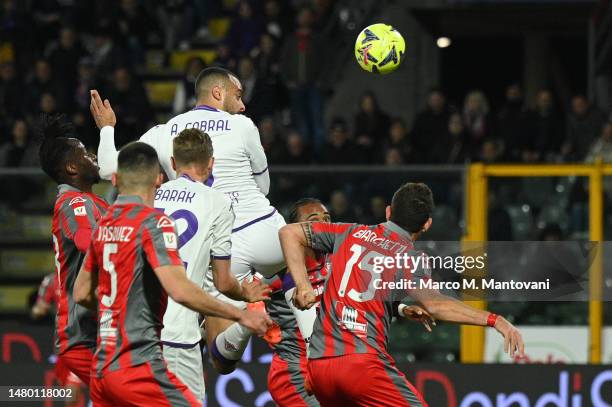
(129, 243)
(74, 217)
(355, 311)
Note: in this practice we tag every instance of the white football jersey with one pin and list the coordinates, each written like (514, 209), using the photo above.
(239, 157)
(240, 169)
(204, 219)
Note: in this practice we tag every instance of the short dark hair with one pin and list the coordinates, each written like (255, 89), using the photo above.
(55, 147)
(293, 215)
(411, 206)
(192, 146)
(209, 75)
(137, 165)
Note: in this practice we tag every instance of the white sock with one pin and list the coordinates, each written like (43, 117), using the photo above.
(232, 342)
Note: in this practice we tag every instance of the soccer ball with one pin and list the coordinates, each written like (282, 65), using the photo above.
(380, 48)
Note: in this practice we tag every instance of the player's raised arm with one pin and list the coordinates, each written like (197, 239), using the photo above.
(104, 116)
(294, 238)
(84, 291)
(187, 293)
(446, 308)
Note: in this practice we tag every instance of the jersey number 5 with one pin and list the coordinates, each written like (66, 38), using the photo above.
(109, 267)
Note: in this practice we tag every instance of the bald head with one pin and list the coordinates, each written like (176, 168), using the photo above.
(219, 88)
(209, 78)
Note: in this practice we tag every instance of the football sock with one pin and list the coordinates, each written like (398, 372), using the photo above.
(230, 344)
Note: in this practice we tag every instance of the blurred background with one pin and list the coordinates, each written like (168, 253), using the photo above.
(483, 81)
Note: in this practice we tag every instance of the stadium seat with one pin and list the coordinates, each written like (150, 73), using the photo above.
(154, 60)
(36, 227)
(15, 298)
(218, 27)
(22, 263)
(161, 92)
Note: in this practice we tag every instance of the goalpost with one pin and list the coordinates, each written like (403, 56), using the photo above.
(477, 177)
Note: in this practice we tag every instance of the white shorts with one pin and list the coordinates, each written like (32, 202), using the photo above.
(186, 364)
(255, 247)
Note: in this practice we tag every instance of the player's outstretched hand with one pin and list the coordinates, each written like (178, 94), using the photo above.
(102, 112)
(418, 314)
(304, 297)
(254, 291)
(513, 341)
(256, 321)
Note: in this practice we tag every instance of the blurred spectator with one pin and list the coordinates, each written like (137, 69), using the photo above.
(64, 56)
(15, 30)
(300, 68)
(244, 31)
(270, 140)
(340, 149)
(269, 95)
(583, 128)
(47, 17)
(43, 82)
(48, 104)
(131, 104)
(489, 152)
(451, 148)
(376, 211)
(224, 57)
(20, 151)
(275, 23)
(11, 92)
(178, 17)
(84, 83)
(339, 207)
(398, 139)
(107, 56)
(393, 157)
(135, 24)
(371, 123)
(546, 127)
(431, 123)
(184, 96)
(85, 131)
(512, 126)
(296, 152)
(325, 21)
(246, 73)
(476, 118)
(602, 147)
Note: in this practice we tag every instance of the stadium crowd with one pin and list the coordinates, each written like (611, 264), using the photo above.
(52, 52)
